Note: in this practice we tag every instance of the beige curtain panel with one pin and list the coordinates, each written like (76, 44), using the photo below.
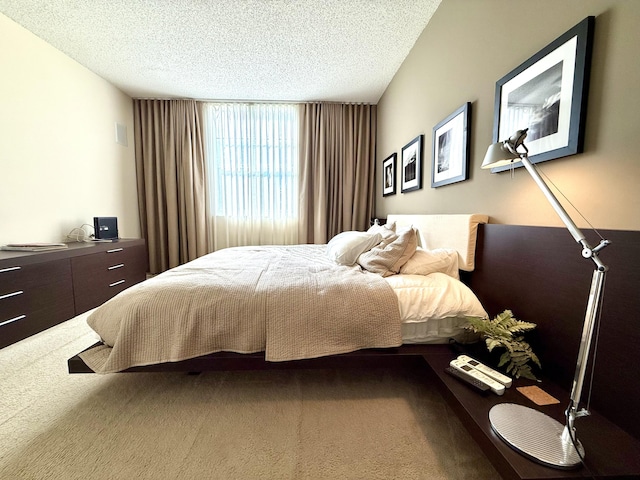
(337, 169)
(171, 181)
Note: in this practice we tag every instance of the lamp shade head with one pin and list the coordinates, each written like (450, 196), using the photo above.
(498, 156)
(504, 153)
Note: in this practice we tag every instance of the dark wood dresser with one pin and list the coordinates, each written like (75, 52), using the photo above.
(41, 289)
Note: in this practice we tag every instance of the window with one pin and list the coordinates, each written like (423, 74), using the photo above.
(252, 171)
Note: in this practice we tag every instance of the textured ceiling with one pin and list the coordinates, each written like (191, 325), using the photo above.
(271, 50)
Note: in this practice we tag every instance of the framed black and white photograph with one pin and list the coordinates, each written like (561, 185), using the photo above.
(450, 162)
(389, 175)
(548, 95)
(411, 165)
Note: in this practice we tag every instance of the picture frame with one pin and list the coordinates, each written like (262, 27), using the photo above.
(548, 95)
(411, 164)
(389, 175)
(450, 159)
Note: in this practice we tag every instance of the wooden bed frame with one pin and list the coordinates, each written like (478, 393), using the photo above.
(453, 231)
(538, 273)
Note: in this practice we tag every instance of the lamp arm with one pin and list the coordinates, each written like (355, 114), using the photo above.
(595, 293)
(576, 233)
(591, 314)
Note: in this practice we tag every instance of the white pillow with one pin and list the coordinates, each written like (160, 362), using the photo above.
(424, 262)
(346, 247)
(421, 297)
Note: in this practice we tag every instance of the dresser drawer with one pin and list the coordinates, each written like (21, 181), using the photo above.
(23, 277)
(11, 278)
(34, 298)
(100, 262)
(100, 276)
(14, 304)
(90, 294)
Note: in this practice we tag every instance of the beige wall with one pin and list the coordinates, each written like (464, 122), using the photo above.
(464, 50)
(59, 162)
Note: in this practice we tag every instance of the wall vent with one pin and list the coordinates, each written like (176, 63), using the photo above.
(121, 134)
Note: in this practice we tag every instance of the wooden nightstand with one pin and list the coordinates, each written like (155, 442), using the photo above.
(610, 452)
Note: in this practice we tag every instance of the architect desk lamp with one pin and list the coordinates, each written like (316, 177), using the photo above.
(530, 432)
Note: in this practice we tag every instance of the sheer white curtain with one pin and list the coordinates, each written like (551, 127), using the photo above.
(251, 153)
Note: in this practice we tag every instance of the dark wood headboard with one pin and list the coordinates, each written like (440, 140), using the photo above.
(539, 274)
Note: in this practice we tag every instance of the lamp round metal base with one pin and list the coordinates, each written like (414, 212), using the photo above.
(535, 435)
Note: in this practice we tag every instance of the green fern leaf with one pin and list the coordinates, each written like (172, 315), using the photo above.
(505, 331)
(504, 358)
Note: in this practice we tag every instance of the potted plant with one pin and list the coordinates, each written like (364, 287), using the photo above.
(506, 331)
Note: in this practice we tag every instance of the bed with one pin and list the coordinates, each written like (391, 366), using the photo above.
(383, 290)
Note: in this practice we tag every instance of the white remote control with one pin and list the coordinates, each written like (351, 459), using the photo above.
(503, 379)
(495, 386)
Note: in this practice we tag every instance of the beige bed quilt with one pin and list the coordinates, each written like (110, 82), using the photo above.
(290, 301)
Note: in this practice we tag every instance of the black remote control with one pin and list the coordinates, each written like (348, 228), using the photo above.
(474, 382)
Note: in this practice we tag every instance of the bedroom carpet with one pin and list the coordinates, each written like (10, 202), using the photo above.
(305, 424)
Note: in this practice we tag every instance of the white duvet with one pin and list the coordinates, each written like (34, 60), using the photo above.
(433, 307)
(434, 296)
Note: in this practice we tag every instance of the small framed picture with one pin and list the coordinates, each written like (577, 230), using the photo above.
(451, 148)
(389, 175)
(411, 163)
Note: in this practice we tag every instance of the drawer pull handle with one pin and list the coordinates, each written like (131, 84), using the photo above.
(114, 250)
(10, 269)
(114, 267)
(12, 294)
(116, 283)
(15, 319)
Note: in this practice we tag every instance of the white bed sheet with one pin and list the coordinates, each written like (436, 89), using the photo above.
(433, 307)
(437, 331)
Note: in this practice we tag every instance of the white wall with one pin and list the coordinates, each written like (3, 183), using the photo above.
(59, 163)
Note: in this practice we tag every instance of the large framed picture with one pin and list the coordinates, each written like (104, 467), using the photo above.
(411, 163)
(450, 161)
(548, 95)
(389, 175)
